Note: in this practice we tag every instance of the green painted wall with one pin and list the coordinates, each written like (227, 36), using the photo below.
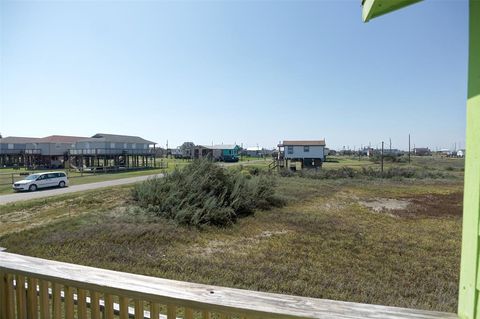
(469, 303)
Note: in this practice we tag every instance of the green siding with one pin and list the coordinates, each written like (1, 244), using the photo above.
(374, 8)
(468, 305)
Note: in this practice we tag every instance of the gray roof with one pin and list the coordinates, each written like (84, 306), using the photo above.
(220, 146)
(303, 143)
(114, 138)
(18, 140)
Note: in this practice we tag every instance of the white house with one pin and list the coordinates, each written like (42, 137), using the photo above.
(309, 153)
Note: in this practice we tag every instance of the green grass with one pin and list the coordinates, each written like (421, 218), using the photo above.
(325, 243)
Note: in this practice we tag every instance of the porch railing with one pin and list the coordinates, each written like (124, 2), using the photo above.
(38, 288)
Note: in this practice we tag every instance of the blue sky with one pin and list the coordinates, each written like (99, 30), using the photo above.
(251, 72)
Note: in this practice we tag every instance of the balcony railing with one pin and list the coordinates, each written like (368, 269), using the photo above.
(38, 288)
(111, 151)
(21, 151)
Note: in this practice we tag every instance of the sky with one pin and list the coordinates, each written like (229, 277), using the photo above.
(245, 72)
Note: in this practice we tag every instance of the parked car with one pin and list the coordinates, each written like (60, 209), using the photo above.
(41, 180)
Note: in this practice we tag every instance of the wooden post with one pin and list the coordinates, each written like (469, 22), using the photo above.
(382, 156)
(468, 304)
(69, 310)
(139, 309)
(21, 297)
(409, 159)
(57, 301)
(94, 305)
(3, 297)
(44, 300)
(32, 303)
(154, 310)
(123, 307)
(171, 312)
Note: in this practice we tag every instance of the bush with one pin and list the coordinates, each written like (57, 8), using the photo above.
(366, 172)
(204, 193)
(392, 158)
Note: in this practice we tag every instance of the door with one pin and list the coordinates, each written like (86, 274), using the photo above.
(52, 179)
(42, 181)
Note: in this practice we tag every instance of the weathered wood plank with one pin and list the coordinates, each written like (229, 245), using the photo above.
(171, 312)
(108, 307)
(154, 310)
(82, 303)
(10, 293)
(44, 300)
(68, 299)
(57, 301)
(203, 297)
(123, 307)
(32, 302)
(3, 296)
(188, 313)
(21, 297)
(139, 309)
(94, 304)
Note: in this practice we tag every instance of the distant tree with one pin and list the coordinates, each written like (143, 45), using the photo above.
(187, 146)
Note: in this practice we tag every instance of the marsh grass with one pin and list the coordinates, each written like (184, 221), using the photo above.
(323, 244)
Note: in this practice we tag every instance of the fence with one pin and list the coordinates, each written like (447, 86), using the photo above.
(38, 288)
(12, 177)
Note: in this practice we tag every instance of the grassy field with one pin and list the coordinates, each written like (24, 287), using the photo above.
(391, 242)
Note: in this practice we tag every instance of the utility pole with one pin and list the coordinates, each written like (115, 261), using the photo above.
(409, 160)
(390, 145)
(382, 156)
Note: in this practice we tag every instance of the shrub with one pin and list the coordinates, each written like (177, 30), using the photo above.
(366, 172)
(204, 193)
(393, 158)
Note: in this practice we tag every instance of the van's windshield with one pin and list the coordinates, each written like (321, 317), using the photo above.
(32, 177)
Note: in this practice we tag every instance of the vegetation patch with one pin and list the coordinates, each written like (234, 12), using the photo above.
(204, 193)
(430, 205)
(322, 244)
(368, 172)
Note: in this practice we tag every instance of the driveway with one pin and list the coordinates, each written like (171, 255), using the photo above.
(16, 197)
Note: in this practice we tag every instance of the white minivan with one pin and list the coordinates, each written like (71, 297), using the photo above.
(41, 180)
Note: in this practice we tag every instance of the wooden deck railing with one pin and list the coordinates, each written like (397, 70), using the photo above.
(37, 288)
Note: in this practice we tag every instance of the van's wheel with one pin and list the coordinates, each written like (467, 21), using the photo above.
(61, 184)
(32, 188)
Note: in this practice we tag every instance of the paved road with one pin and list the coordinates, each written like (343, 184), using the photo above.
(16, 197)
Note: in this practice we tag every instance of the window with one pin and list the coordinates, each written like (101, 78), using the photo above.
(290, 149)
(10, 146)
(134, 145)
(125, 145)
(306, 149)
(145, 146)
(112, 145)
